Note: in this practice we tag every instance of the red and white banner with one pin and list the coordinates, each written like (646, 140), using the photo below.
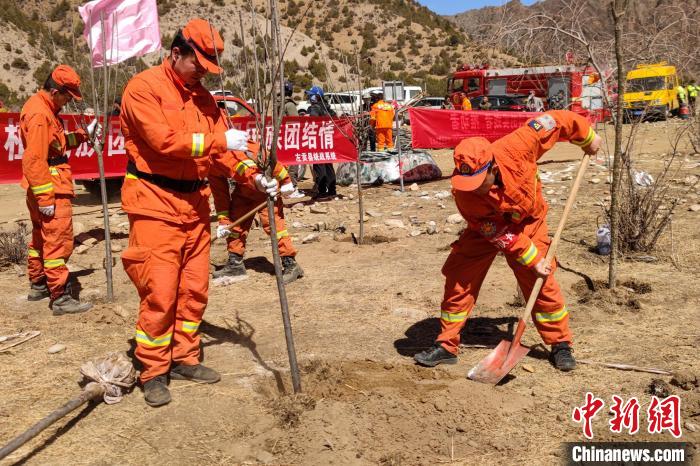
(444, 129)
(303, 140)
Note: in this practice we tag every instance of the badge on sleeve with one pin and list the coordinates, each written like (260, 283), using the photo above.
(545, 122)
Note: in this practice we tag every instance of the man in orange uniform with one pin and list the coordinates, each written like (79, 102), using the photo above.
(381, 117)
(49, 184)
(498, 192)
(466, 103)
(173, 133)
(230, 207)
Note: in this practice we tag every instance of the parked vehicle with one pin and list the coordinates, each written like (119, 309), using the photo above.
(651, 91)
(235, 106)
(503, 103)
(425, 102)
(342, 103)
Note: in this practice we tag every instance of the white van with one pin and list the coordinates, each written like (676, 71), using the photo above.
(342, 103)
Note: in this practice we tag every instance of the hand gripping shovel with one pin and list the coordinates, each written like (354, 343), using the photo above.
(499, 362)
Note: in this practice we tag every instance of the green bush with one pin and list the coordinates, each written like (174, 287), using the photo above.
(20, 64)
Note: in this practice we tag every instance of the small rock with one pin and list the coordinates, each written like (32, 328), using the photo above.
(394, 223)
(431, 228)
(442, 195)
(413, 187)
(442, 206)
(409, 313)
(320, 226)
(297, 225)
(57, 348)
(373, 213)
(120, 311)
(116, 247)
(298, 206)
(396, 213)
(79, 227)
(594, 181)
(415, 233)
(690, 426)
(447, 230)
(685, 380)
(550, 192)
(439, 406)
(73, 268)
(567, 178)
(81, 249)
(350, 197)
(455, 219)
(318, 209)
(311, 238)
(528, 368)
(694, 208)
(265, 457)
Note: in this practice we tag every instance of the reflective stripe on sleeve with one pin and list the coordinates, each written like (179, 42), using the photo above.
(454, 316)
(33, 253)
(189, 327)
(143, 338)
(244, 165)
(53, 171)
(222, 214)
(42, 188)
(53, 263)
(282, 234)
(588, 140)
(234, 235)
(197, 144)
(131, 176)
(282, 174)
(551, 316)
(528, 256)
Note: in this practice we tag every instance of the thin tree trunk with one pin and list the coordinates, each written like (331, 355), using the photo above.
(618, 8)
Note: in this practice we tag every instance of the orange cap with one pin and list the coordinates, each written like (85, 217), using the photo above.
(68, 79)
(472, 161)
(206, 42)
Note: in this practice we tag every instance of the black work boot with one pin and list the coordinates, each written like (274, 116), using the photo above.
(234, 267)
(196, 373)
(434, 356)
(155, 391)
(38, 291)
(66, 304)
(290, 270)
(562, 357)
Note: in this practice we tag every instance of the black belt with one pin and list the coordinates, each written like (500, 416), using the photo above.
(182, 186)
(58, 160)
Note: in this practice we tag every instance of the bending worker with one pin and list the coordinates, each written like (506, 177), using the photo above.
(381, 118)
(499, 194)
(47, 178)
(242, 200)
(173, 134)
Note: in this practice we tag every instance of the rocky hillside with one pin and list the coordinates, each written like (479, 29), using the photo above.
(656, 30)
(394, 39)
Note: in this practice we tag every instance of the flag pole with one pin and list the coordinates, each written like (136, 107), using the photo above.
(101, 167)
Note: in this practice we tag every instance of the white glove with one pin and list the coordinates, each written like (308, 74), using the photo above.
(266, 186)
(48, 210)
(222, 231)
(236, 140)
(287, 189)
(94, 129)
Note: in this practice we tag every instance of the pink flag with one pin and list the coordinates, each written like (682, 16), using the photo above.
(130, 29)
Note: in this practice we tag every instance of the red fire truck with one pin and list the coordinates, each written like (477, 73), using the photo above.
(580, 84)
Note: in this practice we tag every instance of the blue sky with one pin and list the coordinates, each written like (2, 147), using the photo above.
(451, 7)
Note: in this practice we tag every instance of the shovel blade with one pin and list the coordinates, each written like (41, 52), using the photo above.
(498, 363)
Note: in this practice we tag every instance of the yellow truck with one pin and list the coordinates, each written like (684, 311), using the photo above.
(651, 91)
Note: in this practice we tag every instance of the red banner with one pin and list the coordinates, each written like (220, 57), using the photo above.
(303, 140)
(444, 129)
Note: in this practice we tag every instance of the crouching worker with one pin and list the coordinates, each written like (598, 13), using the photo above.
(499, 194)
(242, 200)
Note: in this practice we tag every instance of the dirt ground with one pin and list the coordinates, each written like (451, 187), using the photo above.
(359, 315)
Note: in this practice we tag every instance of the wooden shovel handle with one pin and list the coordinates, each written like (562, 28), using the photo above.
(534, 294)
(248, 215)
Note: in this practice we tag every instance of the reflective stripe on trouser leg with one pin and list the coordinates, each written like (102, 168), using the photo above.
(192, 295)
(464, 271)
(285, 242)
(167, 243)
(57, 246)
(553, 322)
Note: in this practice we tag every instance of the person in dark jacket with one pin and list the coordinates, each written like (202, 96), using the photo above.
(324, 174)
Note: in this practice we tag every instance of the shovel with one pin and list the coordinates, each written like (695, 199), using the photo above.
(499, 362)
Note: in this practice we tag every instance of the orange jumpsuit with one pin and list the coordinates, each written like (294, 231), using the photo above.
(381, 117)
(48, 181)
(230, 207)
(510, 218)
(466, 104)
(173, 134)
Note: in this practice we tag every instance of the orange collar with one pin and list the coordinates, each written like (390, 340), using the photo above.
(46, 98)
